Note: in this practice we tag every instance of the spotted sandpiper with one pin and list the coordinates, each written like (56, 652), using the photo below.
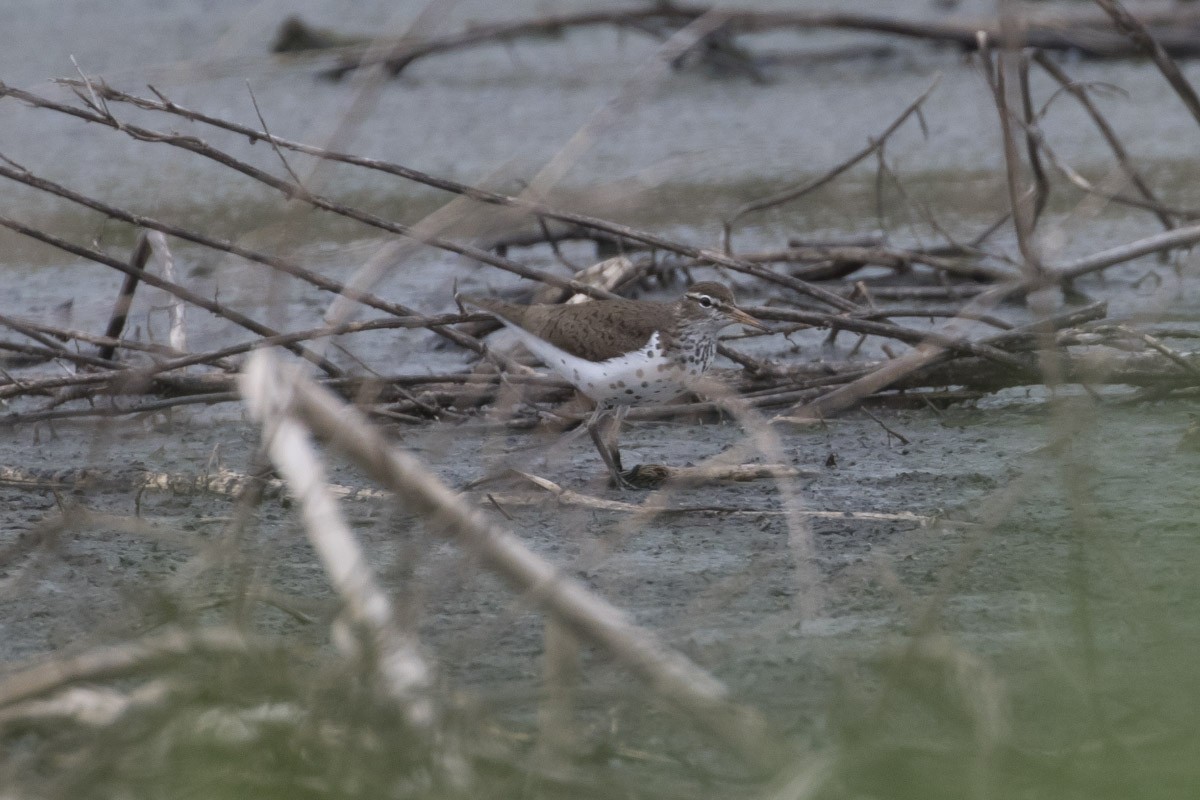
(622, 353)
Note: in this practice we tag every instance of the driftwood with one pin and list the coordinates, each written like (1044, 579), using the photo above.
(1087, 33)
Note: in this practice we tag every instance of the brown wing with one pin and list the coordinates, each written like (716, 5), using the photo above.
(596, 330)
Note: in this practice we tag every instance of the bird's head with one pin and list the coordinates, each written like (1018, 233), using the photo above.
(711, 304)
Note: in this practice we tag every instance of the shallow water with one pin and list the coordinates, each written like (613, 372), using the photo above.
(1061, 568)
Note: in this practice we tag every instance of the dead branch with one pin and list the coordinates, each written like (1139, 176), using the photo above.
(398, 658)
(1160, 242)
(893, 257)
(674, 478)
(1146, 43)
(1087, 34)
(671, 675)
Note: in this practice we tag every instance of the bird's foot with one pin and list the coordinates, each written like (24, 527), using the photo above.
(642, 476)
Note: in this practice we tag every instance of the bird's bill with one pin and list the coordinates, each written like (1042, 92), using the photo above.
(737, 315)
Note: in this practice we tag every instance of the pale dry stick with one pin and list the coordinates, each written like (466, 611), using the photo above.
(1132, 27)
(534, 207)
(177, 335)
(117, 661)
(171, 288)
(672, 676)
(611, 274)
(1167, 240)
(644, 511)
(703, 474)
(789, 195)
(268, 396)
(1110, 137)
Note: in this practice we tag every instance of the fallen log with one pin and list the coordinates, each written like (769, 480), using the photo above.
(1088, 34)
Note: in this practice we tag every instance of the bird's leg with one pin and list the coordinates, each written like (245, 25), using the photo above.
(614, 435)
(603, 427)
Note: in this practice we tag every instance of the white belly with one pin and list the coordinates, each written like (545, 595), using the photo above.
(643, 376)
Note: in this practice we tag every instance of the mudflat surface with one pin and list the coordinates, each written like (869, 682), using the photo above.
(775, 609)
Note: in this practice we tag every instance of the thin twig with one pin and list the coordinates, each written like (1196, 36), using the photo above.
(795, 193)
(1106, 130)
(1132, 27)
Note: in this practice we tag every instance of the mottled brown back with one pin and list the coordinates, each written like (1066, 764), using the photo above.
(596, 330)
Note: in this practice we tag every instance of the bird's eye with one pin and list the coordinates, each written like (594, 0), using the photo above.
(706, 301)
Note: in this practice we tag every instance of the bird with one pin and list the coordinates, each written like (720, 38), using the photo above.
(623, 353)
